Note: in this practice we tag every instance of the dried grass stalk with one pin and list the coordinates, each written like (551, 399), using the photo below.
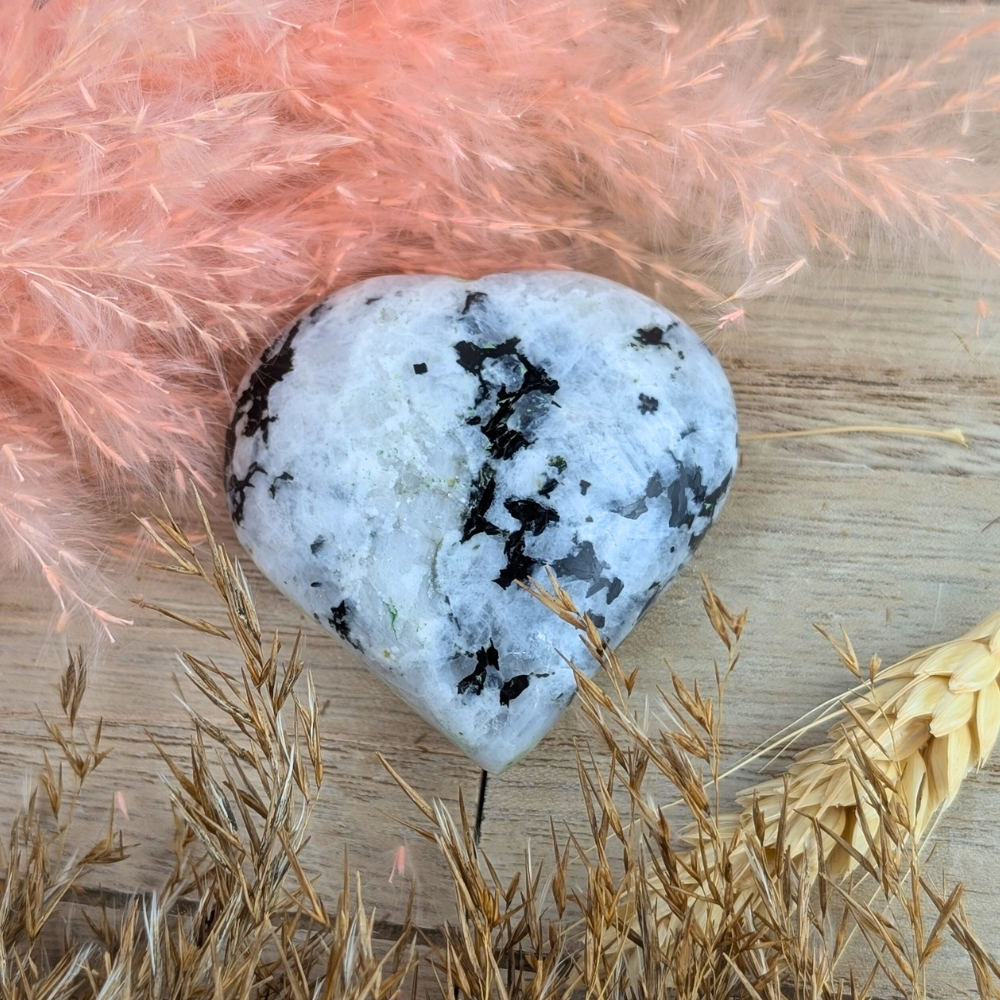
(748, 903)
(756, 899)
(240, 915)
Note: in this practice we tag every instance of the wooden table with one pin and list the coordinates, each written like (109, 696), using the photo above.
(894, 538)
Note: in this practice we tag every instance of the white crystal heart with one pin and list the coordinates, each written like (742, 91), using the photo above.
(412, 446)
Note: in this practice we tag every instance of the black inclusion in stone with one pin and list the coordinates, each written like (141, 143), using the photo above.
(480, 500)
(711, 499)
(472, 357)
(648, 404)
(473, 299)
(598, 620)
(631, 510)
(473, 683)
(504, 441)
(317, 543)
(236, 490)
(534, 517)
(584, 486)
(654, 488)
(339, 620)
(486, 657)
(285, 477)
(702, 504)
(550, 485)
(373, 300)
(652, 336)
(420, 369)
(688, 478)
(582, 564)
(274, 364)
(519, 564)
(513, 688)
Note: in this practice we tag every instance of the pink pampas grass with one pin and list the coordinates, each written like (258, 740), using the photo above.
(178, 177)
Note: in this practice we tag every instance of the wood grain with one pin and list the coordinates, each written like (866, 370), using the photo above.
(134, 689)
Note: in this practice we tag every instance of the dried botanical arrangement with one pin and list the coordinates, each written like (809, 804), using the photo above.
(757, 902)
(180, 179)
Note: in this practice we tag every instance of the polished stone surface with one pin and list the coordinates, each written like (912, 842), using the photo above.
(414, 445)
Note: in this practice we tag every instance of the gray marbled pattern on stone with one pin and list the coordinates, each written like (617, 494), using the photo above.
(411, 447)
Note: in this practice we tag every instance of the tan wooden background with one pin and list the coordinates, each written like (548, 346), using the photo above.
(892, 537)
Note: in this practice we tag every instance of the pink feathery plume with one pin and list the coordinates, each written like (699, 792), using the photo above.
(178, 178)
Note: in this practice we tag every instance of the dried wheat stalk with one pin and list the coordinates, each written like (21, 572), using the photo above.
(863, 799)
(902, 743)
(919, 725)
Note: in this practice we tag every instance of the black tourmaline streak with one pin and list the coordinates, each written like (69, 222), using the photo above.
(420, 369)
(317, 543)
(236, 490)
(472, 357)
(583, 564)
(514, 687)
(486, 657)
(534, 517)
(648, 404)
(473, 299)
(708, 502)
(285, 477)
(275, 363)
(631, 510)
(654, 487)
(702, 502)
(652, 336)
(338, 619)
(504, 441)
(480, 500)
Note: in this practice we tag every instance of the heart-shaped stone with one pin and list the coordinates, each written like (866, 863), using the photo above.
(413, 446)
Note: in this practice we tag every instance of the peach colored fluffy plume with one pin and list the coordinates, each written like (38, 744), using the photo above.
(178, 177)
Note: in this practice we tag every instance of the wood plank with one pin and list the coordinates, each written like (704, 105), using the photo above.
(889, 536)
(133, 688)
